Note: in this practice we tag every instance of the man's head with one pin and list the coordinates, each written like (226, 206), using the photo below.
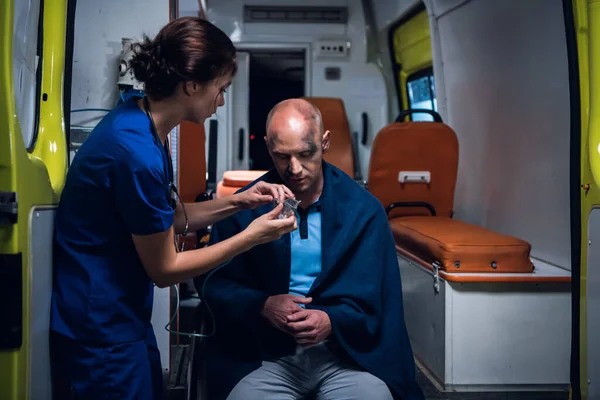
(297, 140)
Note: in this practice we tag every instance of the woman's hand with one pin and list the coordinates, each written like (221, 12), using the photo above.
(262, 193)
(269, 227)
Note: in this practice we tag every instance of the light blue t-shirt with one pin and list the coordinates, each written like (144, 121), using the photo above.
(306, 250)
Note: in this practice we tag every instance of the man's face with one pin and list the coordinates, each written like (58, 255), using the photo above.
(297, 149)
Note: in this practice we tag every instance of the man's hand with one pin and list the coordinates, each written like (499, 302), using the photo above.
(309, 327)
(277, 308)
(262, 193)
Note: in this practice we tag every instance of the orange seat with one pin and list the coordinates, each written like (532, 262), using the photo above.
(412, 171)
(192, 170)
(341, 151)
(415, 147)
(457, 246)
(235, 180)
(192, 161)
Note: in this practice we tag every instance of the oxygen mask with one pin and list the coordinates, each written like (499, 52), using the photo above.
(289, 207)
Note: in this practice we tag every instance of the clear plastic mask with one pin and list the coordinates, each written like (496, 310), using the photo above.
(289, 207)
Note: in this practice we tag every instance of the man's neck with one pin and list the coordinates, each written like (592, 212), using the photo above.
(312, 194)
(165, 116)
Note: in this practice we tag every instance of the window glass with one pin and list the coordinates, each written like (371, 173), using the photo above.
(410, 49)
(25, 66)
(421, 94)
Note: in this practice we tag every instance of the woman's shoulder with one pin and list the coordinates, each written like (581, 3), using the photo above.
(122, 140)
(127, 118)
(126, 129)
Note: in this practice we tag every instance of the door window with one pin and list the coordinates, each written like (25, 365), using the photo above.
(421, 94)
(27, 45)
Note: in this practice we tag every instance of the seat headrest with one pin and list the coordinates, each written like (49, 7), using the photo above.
(415, 147)
(341, 152)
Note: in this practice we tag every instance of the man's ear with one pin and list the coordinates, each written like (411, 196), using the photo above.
(325, 142)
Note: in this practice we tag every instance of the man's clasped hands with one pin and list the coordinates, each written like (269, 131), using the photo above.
(308, 327)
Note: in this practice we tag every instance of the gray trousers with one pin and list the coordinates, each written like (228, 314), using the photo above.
(311, 371)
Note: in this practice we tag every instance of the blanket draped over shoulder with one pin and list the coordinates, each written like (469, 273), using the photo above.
(359, 288)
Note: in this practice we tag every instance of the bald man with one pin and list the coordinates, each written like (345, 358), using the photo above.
(317, 314)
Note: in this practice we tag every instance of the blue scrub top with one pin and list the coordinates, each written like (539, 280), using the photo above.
(117, 185)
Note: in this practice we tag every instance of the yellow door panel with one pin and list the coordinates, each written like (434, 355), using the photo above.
(587, 26)
(590, 194)
(411, 49)
(37, 178)
(412, 44)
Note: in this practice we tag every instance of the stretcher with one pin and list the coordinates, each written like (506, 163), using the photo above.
(468, 291)
(413, 172)
(235, 180)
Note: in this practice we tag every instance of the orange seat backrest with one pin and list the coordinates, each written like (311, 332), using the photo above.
(192, 161)
(341, 152)
(415, 146)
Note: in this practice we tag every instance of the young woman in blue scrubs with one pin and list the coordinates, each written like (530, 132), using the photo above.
(116, 221)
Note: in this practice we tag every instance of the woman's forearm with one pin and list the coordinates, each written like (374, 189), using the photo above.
(205, 213)
(192, 263)
(167, 267)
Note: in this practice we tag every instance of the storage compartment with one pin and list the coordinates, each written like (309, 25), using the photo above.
(489, 332)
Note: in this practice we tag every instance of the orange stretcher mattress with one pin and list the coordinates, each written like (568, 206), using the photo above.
(241, 178)
(461, 247)
(235, 180)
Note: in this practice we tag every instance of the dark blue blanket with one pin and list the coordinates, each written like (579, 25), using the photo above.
(359, 288)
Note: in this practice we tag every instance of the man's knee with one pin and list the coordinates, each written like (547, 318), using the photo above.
(374, 388)
(272, 381)
(247, 390)
(254, 389)
(355, 385)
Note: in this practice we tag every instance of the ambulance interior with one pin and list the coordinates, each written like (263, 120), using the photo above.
(468, 119)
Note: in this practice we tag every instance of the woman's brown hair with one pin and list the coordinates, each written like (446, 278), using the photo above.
(186, 49)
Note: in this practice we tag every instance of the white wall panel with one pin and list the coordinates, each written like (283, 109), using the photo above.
(99, 28)
(593, 305)
(506, 87)
(388, 12)
(41, 226)
(362, 86)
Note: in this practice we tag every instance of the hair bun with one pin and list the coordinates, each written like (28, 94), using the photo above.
(186, 49)
(148, 64)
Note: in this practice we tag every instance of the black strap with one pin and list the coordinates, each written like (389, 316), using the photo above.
(436, 117)
(169, 160)
(303, 213)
